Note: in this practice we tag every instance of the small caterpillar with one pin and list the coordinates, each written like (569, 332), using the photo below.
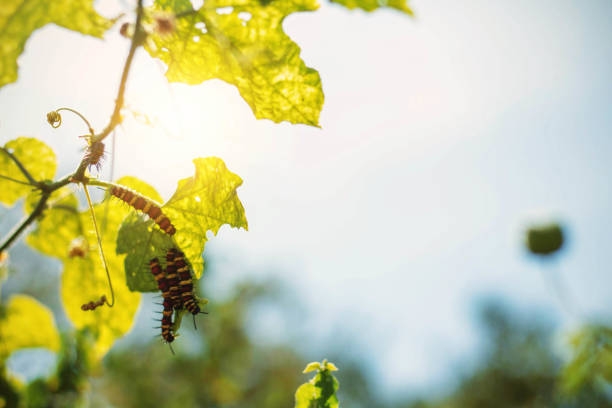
(93, 305)
(173, 281)
(185, 282)
(146, 206)
(95, 154)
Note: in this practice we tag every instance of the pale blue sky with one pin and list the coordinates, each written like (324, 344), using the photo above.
(441, 137)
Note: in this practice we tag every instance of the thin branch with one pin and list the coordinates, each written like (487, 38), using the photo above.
(16, 181)
(115, 118)
(26, 222)
(25, 172)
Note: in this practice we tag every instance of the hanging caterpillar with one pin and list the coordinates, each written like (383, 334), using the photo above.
(173, 281)
(185, 282)
(162, 284)
(145, 205)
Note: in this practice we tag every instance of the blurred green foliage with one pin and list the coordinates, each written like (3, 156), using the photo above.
(545, 239)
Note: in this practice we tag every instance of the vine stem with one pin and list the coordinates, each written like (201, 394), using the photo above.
(79, 174)
(93, 217)
(79, 115)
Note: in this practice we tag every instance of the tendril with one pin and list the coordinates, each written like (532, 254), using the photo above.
(55, 119)
(110, 284)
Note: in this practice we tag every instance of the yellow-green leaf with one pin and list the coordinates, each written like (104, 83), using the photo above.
(36, 157)
(26, 323)
(204, 203)
(59, 226)
(19, 18)
(320, 391)
(315, 365)
(242, 43)
(372, 5)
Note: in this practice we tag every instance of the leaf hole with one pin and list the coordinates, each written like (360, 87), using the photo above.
(225, 10)
(201, 26)
(244, 16)
(196, 38)
(197, 4)
(197, 198)
(164, 49)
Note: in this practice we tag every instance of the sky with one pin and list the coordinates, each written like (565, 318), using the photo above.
(442, 137)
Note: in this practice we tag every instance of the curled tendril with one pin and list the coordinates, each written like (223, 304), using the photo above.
(54, 119)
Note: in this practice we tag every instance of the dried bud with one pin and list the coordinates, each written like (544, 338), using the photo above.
(78, 247)
(126, 30)
(165, 23)
(54, 119)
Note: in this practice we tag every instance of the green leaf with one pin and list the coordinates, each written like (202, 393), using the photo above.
(26, 323)
(591, 359)
(315, 365)
(59, 226)
(242, 43)
(372, 5)
(35, 156)
(84, 278)
(204, 203)
(200, 204)
(320, 391)
(19, 18)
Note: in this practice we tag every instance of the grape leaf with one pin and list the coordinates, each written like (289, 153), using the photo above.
(19, 18)
(372, 5)
(26, 323)
(84, 278)
(320, 391)
(201, 203)
(242, 43)
(37, 158)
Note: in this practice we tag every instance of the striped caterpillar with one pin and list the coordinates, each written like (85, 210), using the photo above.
(145, 205)
(162, 284)
(185, 282)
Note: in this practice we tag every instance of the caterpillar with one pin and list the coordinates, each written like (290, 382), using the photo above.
(162, 284)
(95, 154)
(93, 305)
(146, 206)
(173, 281)
(185, 282)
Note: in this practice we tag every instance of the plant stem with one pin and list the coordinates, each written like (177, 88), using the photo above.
(25, 172)
(48, 189)
(26, 222)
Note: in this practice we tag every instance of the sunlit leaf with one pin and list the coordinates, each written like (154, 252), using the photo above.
(242, 42)
(26, 323)
(315, 365)
(36, 157)
(59, 225)
(372, 5)
(320, 391)
(204, 203)
(19, 18)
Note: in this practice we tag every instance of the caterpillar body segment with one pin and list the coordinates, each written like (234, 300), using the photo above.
(160, 277)
(166, 322)
(185, 282)
(145, 205)
(173, 281)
